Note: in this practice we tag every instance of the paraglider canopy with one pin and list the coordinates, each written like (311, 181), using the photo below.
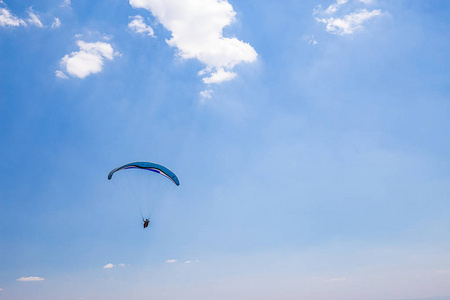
(147, 166)
(143, 185)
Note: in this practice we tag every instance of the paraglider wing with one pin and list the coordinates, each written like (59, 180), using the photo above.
(147, 166)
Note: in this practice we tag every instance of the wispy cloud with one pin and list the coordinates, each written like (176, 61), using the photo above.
(1, 289)
(138, 25)
(349, 23)
(56, 23)
(107, 37)
(7, 19)
(31, 278)
(197, 32)
(335, 6)
(171, 261)
(191, 261)
(311, 40)
(206, 94)
(368, 2)
(60, 74)
(345, 23)
(34, 19)
(66, 3)
(110, 266)
(89, 60)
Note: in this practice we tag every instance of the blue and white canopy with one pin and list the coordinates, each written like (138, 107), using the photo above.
(147, 166)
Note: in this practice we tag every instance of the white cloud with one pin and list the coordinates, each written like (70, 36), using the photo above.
(219, 76)
(170, 261)
(89, 60)
(60, 74)
(8, 19)
(56, 23)
(311, 40)
(34, 19)
(206, 94)
(110, 266)
(196, 27)
(31, 278)
(191, 261)
(204, 71)
(349, 23)
(335, 6)
(66, 3)
(138, 25)
(345, 23)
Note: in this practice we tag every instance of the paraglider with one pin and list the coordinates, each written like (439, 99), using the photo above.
(145, 184)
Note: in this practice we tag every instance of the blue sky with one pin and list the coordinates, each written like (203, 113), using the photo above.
(310, 139)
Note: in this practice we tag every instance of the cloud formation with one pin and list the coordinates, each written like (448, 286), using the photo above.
(170, 261)
(66, 3)
(219, 76)
(89, 60)
(7, 19)
(56, 23)
(191, 261)
(312, 40)
(197, 33)
(335, 6)
(31, 278)
(138, 25)
(345, 24)
(349, 23)
(206, 94)
(60, 74)
(110, 266)
(368, 2)
(34, 19)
